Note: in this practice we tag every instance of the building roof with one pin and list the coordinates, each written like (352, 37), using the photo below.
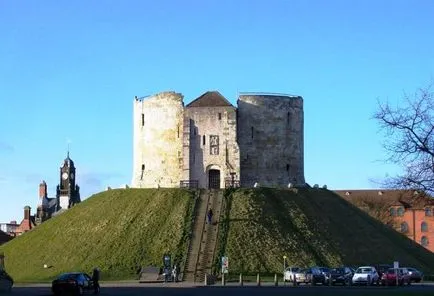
(394, 197)
(210, 99)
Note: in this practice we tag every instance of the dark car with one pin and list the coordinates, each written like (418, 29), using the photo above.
(326, 272)
(341, 275)
(415, 275)
(6, 282)
(314, 276)
(76, 283)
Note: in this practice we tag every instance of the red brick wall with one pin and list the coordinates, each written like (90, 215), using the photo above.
(414, 219)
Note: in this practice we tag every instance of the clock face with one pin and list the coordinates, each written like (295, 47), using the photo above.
(65, 176)
(72, 175)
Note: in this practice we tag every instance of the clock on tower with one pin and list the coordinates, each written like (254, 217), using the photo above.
(68, 192)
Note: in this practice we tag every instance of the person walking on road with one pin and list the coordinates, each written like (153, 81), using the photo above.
(95, 279)
(209, 216)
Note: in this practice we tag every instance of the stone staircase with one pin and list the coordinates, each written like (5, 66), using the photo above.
(202, 249)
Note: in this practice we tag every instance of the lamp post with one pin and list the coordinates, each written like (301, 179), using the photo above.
(284, 268)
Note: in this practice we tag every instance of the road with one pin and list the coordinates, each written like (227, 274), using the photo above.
(185, 289)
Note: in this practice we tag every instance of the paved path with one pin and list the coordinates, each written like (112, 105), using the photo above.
(183, 289)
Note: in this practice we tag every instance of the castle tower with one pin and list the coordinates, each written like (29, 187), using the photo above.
(67, 191)
(211, 152)
(270, 136)
(157, 144)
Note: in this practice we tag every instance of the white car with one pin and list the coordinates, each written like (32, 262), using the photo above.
(290, 272)
(365, 275)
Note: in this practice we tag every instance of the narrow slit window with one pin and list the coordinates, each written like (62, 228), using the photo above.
(287, 167)
(220, 116)
(203, 140)
(143, 169)
(178, 130)
(143, 119)
(252, 132)
(288, 118)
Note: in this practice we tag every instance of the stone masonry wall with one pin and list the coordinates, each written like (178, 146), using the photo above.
(158, 129)
(270, 138)
(210, 143)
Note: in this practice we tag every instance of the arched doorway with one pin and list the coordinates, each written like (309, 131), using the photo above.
(214, 179)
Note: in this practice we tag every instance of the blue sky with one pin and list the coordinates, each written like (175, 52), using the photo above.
(70, 70)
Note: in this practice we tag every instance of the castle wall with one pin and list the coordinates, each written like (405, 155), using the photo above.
(270, 138)
(157, 146)
(210, 143)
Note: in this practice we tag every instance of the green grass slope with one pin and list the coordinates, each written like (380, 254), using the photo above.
(116, 230)
(311, 227)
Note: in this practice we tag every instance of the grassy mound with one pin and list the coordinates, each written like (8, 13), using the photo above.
(116, 230)
(311, 227)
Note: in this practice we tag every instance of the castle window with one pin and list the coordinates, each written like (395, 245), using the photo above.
(252, 132)
(400, 211)
(392, 212)
(404, 227)
(287, 167)
(428, 212)
(203, 140)
(143, 119)
(424, 241)
(288, 118)
(178, 130)
(424, 227)
(220, 116)
(143, 170)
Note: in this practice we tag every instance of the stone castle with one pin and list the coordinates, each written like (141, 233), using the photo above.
(209, 143)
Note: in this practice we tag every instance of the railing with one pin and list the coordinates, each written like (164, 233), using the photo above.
(266, 94)
(232, 183)
(189, 184)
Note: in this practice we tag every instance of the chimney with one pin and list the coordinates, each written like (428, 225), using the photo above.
(43, 190)
(27, 213)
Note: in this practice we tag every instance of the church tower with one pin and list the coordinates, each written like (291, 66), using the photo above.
(68, 192)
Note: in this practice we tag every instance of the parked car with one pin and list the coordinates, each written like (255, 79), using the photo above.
(73, 282)
(326, 272)
(365, 275)
(382, 268)
(394, 277)
(415, 275)
(6, 282)
(288, 275)
(341, 275)
(315, 276)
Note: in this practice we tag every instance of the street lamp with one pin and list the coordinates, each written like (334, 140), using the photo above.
(284, 268)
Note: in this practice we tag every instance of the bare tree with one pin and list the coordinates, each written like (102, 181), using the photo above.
(409, 139)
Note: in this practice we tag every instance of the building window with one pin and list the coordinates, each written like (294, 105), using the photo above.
(143, 119)
(423, 227)
(288, 118)
(178, 130)
(214, 145)
(424, 241)
(428, 212)
(203, 140)
(143, 170)
(404, 227)
(287, 167)
(252, 132)
(401, 211)
(220, 116)
(392, 212)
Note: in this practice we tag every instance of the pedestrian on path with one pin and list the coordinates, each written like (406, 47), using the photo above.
(209, 216)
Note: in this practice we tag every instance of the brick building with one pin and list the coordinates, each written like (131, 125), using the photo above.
(409, 212)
